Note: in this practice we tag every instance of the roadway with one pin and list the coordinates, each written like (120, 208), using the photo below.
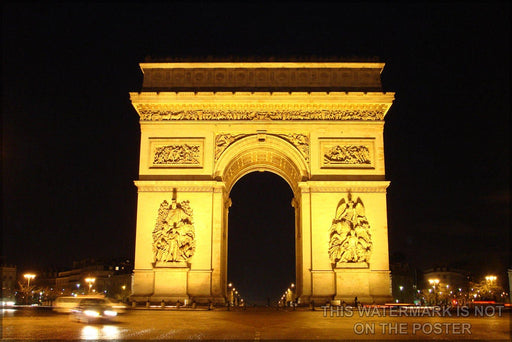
(255, 324)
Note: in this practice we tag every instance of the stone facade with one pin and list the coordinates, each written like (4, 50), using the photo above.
(198, 139)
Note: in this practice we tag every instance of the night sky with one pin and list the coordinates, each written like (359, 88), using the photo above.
(70, 138)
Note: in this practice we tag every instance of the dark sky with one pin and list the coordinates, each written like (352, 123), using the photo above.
(70, 137)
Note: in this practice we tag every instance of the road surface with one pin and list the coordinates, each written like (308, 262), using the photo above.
(255, 324)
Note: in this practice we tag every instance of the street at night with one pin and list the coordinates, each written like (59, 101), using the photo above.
(219, 170)
(259, 323)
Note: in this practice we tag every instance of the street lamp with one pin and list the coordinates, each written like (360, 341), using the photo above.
(292, 295)
(29, 276)
(90, 281)
(401, 293)
(230, 294)
(490, 279)
(434, 283)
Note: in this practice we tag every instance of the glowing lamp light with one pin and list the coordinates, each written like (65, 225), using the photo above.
(90, 281)
(490, 278)
(433, 281)
(29, 276)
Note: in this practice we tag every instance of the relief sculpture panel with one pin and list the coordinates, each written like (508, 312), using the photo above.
(176, 153)
(347, 153)
(174, 234)
(350, 240)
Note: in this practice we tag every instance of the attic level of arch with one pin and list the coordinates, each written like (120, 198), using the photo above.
(270, 77)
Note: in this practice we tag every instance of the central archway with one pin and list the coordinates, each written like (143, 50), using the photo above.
(261, 239)
(264, 152)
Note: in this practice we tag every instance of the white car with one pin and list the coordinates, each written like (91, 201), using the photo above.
(93, 310)
(66, 304)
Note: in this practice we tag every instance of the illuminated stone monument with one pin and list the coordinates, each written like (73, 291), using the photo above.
(317, 125)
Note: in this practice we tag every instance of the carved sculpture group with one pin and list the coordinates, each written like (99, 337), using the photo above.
(173, 236)
(347, 154)
(177, 154)
(349, 236)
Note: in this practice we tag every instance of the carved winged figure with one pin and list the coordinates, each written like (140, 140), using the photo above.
(174, 234)
(349, 235)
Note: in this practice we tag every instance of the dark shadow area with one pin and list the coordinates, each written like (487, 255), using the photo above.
(261, 238)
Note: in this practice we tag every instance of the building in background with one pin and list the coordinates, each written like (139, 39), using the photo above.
(445, 285)
(447, 276)
(404, 280)
(8, 274)
(111, 278)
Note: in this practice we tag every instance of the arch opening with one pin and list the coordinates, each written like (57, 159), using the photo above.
(261, 237)
(256, 154)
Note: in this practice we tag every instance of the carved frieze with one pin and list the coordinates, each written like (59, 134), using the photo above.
(174, 233)
(350, 241)
(300, 141)
(176, 152)
(347, 153)
(165, 112)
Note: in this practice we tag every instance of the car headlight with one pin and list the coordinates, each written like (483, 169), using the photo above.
(91, 313)
(110, 313)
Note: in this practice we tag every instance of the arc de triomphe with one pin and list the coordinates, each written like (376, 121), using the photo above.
(317, 125)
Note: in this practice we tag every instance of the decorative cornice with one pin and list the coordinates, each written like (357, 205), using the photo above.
(344, 186)
(320, 98)
(180, 186)
(255, 65)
